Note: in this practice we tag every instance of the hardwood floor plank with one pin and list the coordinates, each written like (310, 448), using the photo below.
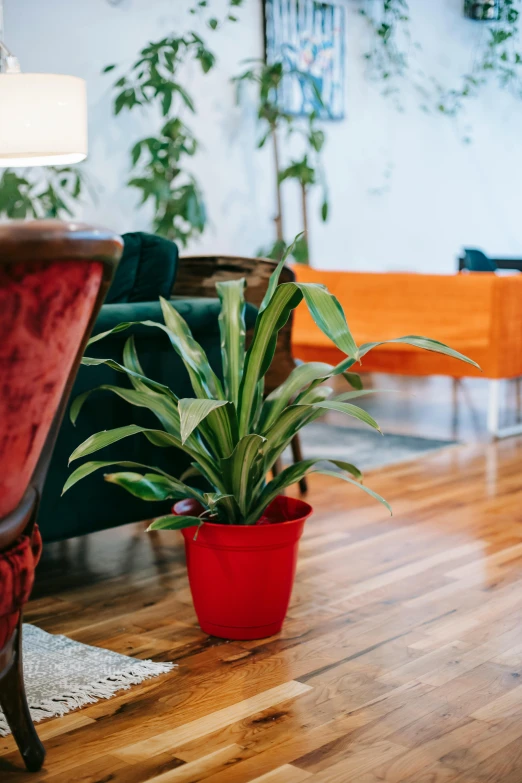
(199, 728)
(284, 774)
(400, 660)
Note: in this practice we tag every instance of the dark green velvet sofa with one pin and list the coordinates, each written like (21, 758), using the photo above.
(147, 270)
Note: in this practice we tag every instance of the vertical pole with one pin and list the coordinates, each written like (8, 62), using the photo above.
(494, 407)
(278, 220)
(455, 384)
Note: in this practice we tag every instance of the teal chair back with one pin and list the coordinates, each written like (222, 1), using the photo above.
(477, 261)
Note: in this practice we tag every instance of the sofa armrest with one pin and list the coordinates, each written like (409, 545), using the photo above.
(198, 313)
(201, 314)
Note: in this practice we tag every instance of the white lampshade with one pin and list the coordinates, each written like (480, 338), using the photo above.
(43, 119)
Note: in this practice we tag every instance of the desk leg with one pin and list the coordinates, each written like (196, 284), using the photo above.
(494, 407)
(494, 428)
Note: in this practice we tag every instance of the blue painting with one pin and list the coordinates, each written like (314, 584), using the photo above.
(308, 37)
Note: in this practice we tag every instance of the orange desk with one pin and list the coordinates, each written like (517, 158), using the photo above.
(478, 314)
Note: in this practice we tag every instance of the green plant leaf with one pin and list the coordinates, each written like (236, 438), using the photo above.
(193, 411)
(329, 316)
(259, 356)
(273, 281)
(279, 399)
(204, 380)
(291, 475)
(174, 522)
(421, 342)
(232, 330)
(164, 408)
(243, 469)
(89, 361)
(354, 380)
(350, 410)
(90, 467)
(152, 486)
(368, 491)
(102, 439)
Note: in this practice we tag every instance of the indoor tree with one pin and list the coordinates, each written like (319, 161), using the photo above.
(41, 192)
(276, 123)
(159, 162)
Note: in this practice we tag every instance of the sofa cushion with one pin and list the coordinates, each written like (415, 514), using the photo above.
(147, 269)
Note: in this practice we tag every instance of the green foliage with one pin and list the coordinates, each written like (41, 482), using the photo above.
(179, 208)
(499, 58)
(42, 192)
(156, 80)
(386, 58)
(232, 435)
(390, 62)
(306, 170)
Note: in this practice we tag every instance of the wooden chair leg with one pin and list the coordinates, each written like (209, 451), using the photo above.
(298, 456)
(14, 705)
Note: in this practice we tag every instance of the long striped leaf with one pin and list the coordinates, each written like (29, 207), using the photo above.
(243, 468)
(260, 354)
(204, 381)
(151, 486)
(90, 467)
(89, 361)
(326, 311)
(191, 353)
(232, 330)
(164, 408)
(329, 316)
(274, 277)
(349, 410)
(132, 363)
(421, 342)
(291, 475)
(115, 329)
(174, 522)
(160, 438)
(314, 394)
(102, 439)
(368, 491)
(296, 417)
(280, 398)
(193, 411)
(283, 430)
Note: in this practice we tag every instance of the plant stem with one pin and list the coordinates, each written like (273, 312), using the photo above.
(304, 207)
(278, 219)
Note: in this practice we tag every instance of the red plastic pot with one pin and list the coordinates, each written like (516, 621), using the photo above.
(241, 576)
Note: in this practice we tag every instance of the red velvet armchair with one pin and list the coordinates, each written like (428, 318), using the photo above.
(53, 279)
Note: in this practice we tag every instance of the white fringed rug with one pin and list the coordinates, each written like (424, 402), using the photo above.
(61, 674)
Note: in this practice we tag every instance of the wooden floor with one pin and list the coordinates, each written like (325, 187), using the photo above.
(400, 661)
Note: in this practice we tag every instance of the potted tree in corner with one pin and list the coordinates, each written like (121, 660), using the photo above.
(241, 535)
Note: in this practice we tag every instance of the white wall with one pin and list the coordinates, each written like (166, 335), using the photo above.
(442, 193)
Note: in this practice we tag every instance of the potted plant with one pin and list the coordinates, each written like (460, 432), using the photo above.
(241, 535)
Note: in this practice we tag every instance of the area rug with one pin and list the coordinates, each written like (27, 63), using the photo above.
(366, 449)
(61, 674)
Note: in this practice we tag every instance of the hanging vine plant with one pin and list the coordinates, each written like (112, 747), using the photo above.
(391, 57)
(500, 58)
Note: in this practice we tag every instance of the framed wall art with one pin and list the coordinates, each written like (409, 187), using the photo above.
(308, 37)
